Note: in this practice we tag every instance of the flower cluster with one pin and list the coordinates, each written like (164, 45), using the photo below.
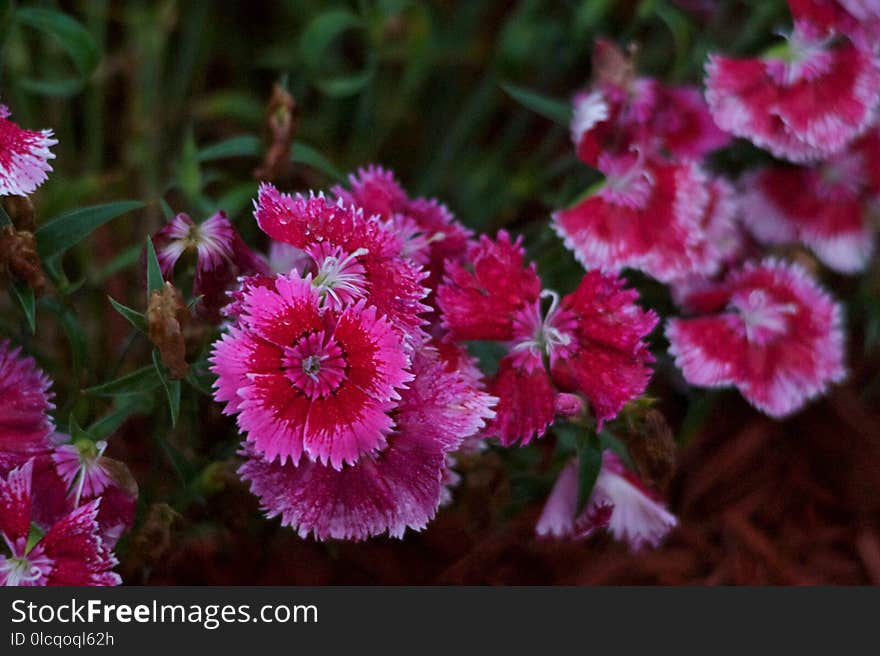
(63, 504)
(349, 406)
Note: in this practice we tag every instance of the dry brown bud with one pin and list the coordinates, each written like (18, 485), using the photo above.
(653, 448)
(19, 258)
(281, 122)
(21, 211)
(167, 316)
(611, 65)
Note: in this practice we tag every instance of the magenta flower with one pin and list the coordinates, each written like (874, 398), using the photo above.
(827, 206)
(74, 474)
(24, 157)
(389, 490)
(589, 343)
(615, 116)
(353, 257)
(479, 300)
(221, 256)
(646, 215)
(305, 377)
(803, 101)
(857, 19)
(620, 503)
(25, 403)
(429, 231)
(767, 329)
(71, 552)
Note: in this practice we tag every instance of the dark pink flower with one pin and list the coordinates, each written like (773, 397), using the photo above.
(390, 490)
(24, 157)
(769, 330)
(353, 256)
(857, 19)
(479, 299)
(620, 503)
(309, 378)
(621, 112)
(74, 474)
(827, 206)
(221, 256)
(71, 552)
(428, 230)
(588, 343)
(599, 347)
(646, 215)
(25, 403)
(803, 101)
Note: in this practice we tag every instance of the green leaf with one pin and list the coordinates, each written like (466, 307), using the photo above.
(110, 423)
(134, 317)
(67, 230)
(4, 218)
(189, 175)
(154, 271)
(172, 388)
(589, 463)
(73, 329)
(73, 37)
(316, 49)
(52, 88)
(24, 296)
(557, 111)
(246, 145)
(144, 379)
(167, 212)
(301, 153)
(77, 432)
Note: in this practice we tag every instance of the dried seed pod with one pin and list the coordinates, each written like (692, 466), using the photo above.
(167, 316)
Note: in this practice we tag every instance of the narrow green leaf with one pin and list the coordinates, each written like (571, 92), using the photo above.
(73, 329)
(246, 145)
(110, 423)
(4, 218)
(72, 36)
(589, 464)
(167, 212)
(302, 153)
(24, 296)
(65, 231)
(189, 174)
(154, 271)
(556, 110)
(144, 379)
(172, 388)
(77, 432)
(134, 317)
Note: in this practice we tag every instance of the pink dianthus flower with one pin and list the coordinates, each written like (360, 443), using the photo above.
(24, 157)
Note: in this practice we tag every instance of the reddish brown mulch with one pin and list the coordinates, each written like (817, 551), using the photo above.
(760, 502)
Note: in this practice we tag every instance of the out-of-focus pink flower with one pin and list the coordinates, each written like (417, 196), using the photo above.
(827, 206)
(25, 403)
(769, 330)
(354, 256)
(588, 343)
(803, 101)
(310, 379)
(71, 552)
(24, 157)
(857, 19)
(390, 490)
(646, 215)
(428, 230)
(221, 256)
(620, 503)
(621, 112)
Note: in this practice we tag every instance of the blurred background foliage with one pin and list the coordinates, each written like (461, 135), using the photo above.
(163, 104)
